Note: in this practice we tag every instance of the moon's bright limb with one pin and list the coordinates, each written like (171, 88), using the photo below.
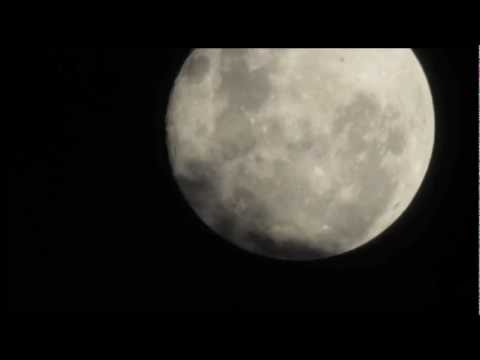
(300, 153)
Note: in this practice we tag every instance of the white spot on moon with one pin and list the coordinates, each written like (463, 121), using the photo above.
(300, 153)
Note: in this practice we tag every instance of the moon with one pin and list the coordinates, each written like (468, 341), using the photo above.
(300, 154)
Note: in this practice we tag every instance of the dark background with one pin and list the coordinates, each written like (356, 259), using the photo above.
(96, 222)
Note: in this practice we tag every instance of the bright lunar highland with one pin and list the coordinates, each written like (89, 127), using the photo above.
(300, 154)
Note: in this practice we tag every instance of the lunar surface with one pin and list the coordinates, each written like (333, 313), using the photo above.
(300, 154)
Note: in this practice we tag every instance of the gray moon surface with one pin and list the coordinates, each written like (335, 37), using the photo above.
(300, 154)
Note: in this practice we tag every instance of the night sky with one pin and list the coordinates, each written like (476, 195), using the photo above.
(96, 221)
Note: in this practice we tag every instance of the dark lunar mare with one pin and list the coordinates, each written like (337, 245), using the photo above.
(196, 67)
(287, 249)
(352, 220)
(245, 92)
(200, 185)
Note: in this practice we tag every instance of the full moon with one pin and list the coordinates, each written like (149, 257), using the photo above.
(300, 154)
